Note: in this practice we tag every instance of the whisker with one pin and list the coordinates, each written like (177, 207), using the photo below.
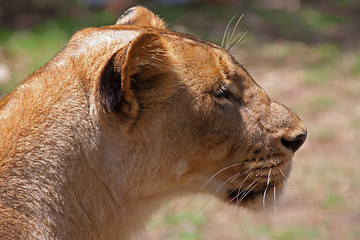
(238, 43)
(237, 46)
(287, 180)
(239, 190)
(267, 185)
(227, 37)
(282, 173)
(245, 191)
(249, 191)
(217, 173)
(242, 183)
(208, 200)
(275, 198)
(226, 30)
(210, 179)
(232, 34)
(235, 39)
(238, 176)
(230, 178)
(233, 178)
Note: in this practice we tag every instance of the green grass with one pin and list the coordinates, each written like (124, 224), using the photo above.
(356, 65)
(296, 232)
(305, 24)
(197, 219)
(345, 2)
(352, 235)
(318, 75)
(324, 133)
(189, 235)
(322, 63)
(322, 103)
(28, 49)
(258, 230)
(183, 225)
(319, 21)
(331, 201)
(316, 105)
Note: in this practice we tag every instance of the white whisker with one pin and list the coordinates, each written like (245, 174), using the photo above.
(249, 191)
(231, 178)
(267, 185)
(210, 179)
(238, 43)
(244, 181)
(232, 34)
(286, 180)
(235, 39)
(217, 173)
(244, 192)
(226, 30)
(239, 190)
(212, 195)
(274, 198)
(285, 177)
(236, 47)
(228, 37)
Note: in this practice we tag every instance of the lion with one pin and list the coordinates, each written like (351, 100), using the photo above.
(128, 117)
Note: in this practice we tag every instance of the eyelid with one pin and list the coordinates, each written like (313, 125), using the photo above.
(223, 92)
(223, 96)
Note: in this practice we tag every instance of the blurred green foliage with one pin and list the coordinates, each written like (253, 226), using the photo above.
(296, 232)
(332, 200)
(27, 49)
(356, 66)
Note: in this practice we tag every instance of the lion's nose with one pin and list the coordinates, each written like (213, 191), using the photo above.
(294, 143)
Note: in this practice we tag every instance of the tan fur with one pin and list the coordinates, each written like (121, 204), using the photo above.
(127, 117)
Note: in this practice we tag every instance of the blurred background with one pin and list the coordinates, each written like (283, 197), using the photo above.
(305, 54)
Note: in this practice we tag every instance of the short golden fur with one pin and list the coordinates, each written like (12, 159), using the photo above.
(127, 117)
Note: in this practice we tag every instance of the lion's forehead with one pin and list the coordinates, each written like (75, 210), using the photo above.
(203, 63)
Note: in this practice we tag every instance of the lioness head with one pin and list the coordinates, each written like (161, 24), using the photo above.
(199, 120)
(130, 115)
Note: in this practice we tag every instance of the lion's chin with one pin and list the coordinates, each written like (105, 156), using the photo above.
(265, 199)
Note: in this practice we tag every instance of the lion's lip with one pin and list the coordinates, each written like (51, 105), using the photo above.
(241, 195)
(237, 195)
(271, 178)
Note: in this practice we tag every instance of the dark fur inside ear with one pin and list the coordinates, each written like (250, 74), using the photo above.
(110, 86)
(139, 76)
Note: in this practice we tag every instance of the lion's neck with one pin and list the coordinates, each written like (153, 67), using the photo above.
(124, 187)
(104, 191)
(84, 185)
(77, 191)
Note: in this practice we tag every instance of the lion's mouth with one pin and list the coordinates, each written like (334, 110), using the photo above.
(258, 190)
(268, 184)
(236, 196)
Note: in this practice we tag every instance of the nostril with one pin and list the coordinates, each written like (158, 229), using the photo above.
(294, 144)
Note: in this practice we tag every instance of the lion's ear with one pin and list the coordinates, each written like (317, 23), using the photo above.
(142, 17)
(137, 77)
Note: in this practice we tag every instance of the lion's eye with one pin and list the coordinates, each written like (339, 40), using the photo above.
(223, 92)
(223, 96)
